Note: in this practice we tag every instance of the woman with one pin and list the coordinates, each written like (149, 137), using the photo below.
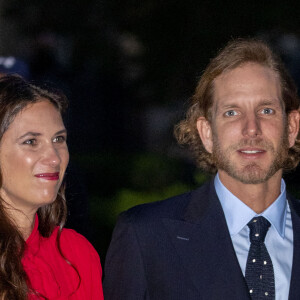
(38, 258)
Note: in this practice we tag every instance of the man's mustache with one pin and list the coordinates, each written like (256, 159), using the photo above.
(257, 143)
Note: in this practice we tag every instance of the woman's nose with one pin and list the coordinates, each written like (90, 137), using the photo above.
(51, 156)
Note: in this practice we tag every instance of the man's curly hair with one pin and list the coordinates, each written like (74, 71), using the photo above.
(235, 54)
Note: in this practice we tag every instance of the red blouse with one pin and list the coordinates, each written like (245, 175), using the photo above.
(52, 276)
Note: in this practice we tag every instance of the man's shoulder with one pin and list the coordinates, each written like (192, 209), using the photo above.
(173, 207)
(294, 203)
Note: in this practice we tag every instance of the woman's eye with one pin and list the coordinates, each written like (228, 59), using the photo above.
(59, 139)
(230, 113)
(30, 142)
(267, 111)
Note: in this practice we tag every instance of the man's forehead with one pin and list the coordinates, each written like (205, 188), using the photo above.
(247, 70)
(245, 83)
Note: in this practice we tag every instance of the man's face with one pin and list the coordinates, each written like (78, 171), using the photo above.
(249, 133)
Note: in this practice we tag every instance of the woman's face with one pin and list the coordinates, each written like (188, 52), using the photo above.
(33, 157)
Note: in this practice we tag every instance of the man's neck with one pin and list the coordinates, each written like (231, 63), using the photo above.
(257, 196)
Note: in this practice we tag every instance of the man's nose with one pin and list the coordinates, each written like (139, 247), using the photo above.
(251, 126)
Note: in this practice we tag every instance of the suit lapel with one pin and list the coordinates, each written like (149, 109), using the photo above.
(294, 285)
(204, 245)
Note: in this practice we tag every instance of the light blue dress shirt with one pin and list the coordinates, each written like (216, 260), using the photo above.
(279, 239)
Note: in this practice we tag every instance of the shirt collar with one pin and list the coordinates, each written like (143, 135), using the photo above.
(238, 214)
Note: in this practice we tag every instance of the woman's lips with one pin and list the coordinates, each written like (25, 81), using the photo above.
(48, 176)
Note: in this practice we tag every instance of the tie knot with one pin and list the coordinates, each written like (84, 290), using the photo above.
(258, 229)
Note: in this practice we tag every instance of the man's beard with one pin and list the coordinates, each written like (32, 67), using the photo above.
(250, 173)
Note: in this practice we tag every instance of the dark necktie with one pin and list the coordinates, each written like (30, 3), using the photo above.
(259, 268)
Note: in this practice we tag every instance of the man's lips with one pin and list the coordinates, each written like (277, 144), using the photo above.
(48, 176)
(251, 151)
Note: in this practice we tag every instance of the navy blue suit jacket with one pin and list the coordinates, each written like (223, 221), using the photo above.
(180, 249)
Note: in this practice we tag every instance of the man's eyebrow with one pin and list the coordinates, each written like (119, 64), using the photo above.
(269, 102)
(229, 106)
(225, 106)
(275, 102)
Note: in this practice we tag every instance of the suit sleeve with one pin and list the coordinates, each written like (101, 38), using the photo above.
(124, 276)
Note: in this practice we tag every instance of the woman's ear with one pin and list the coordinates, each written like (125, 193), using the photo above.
(205, 133)
(293, 126)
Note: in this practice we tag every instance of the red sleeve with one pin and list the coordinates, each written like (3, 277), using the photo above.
(79, 251)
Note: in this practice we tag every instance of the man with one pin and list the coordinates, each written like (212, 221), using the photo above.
(238, 236)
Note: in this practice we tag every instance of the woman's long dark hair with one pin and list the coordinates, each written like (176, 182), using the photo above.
(15, 95)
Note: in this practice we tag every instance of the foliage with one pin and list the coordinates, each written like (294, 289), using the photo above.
(117, 182)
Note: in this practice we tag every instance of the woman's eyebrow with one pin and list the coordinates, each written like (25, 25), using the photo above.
(61, 131)
(29, 133)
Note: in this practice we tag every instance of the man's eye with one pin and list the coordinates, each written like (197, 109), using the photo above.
(59, 139)
(267, 111)
(230, 113)
(30, 142)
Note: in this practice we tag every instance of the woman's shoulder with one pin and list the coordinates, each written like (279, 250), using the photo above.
(70, 235)
(67, 257)
(74, 246)
(74, 243)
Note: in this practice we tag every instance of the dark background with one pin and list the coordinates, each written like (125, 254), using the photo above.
(128, 69)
